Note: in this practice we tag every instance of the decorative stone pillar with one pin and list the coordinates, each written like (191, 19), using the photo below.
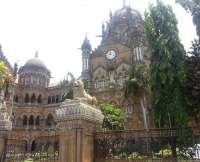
(5, 124)
(76, 122)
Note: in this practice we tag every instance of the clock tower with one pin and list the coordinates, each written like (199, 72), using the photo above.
(106, 68)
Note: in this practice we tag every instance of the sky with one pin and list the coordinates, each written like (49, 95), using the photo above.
(57, 28)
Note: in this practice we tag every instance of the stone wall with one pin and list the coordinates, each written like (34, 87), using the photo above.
(140, 160)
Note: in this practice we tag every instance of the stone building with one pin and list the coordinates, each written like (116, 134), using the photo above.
(33, 101)
(104, 71)
(105, 68)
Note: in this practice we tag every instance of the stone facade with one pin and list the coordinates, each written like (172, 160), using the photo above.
(36, 108)
(106, 68)
(29, 106)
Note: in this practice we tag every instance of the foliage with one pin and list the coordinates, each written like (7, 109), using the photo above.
(192, 86)
(167, 68)
(5, 76)
(192, 6)
(138, 79)
(113, 117)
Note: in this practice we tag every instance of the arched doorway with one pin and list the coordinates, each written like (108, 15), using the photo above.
(33, 146)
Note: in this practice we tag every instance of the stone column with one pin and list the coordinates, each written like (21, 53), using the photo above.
(2, 145)
(67, 149)
(5, 124)
(76, 122)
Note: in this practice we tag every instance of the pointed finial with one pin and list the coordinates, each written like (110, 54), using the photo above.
(124, 3)
(86, 36)
(110, 13)
(36, 54)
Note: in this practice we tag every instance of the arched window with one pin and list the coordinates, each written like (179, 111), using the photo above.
(37, 121)
(16, 99)
(50, 120)
(31, 120)
(26, 100)
(33, 98)
(25, 120)
(40, 98)
(57, 98)
(53, 99)
(49, 99)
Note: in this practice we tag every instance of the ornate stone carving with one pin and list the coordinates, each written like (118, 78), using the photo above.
(73, 113)
(5, 122)
(82, 95)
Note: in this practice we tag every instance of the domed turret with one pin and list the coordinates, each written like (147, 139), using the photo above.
(34, 73)
(125, 26)
(35, 62)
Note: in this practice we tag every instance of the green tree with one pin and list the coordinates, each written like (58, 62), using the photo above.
(193, 7)
(5, 75)
(167, 70)
(167, 67)
(138, 80)
(192, 86)
(113, 117)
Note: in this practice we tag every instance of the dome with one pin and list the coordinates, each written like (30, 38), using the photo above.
(126, 12)
(35, 62)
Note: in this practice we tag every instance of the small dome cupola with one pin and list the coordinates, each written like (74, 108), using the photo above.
(34, 73)
(86, 44)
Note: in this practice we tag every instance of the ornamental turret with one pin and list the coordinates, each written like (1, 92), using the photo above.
(86, 52)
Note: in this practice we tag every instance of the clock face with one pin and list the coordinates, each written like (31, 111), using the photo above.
(111, 54)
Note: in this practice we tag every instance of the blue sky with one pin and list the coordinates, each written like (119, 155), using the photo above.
(56, 29)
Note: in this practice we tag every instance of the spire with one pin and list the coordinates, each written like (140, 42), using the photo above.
(36, 54)
(110, 14)
(124, 3)
(86, 44)
(103, 29)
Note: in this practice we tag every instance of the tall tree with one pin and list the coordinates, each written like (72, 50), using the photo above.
(167, 71)
(192, 86)
(192, 6)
